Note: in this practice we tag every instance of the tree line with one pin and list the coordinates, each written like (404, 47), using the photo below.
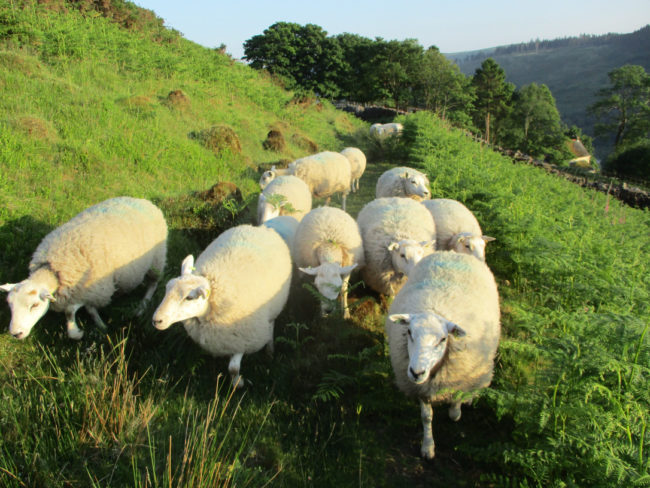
(403, 74)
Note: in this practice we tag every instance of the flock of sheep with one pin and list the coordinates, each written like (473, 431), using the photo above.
(442, 325)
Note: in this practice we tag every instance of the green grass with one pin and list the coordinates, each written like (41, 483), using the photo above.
(85, 115)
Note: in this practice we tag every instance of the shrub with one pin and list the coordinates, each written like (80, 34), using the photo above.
(218, 138)
(274, 141)
(632, 161)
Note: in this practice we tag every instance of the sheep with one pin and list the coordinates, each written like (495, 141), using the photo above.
(228, 301)
(457, 228)
(443, 331)
(325, 173)
(285, 195)
(284, 225)
(403, 182)
(269, 175)
(110, 246)
(382, 131)
(328, 245)
(397, 233)
(357, 165)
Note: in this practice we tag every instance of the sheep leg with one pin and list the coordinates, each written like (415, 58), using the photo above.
(327, 201)
(428, 446)
(147, 296)
(233, 369)
(71, 324)
(344, 297)
(343, 199)
(454, 411)
(95, 315)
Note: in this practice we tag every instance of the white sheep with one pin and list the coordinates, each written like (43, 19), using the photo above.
(284, 225)
(228, 301)
(403, 182)
(326, 173)
(357, 165)
(110, 246)
(270, 174)
(397, 233)
(328, 245)
(443, 331)
(285, 195)
(457, 228)
(382, 131)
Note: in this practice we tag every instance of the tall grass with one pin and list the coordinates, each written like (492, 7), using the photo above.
(574, 275)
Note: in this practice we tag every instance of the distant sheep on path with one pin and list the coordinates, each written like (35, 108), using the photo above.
(403, 182)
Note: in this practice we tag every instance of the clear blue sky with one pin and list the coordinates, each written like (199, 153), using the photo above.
(451, 25)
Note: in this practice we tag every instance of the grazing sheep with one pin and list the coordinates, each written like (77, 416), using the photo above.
(456, 227)
(403, 182)
(382, 131)
(285, 195)
(357, 165)
(328, 245)
(110, 246)
(269, 175)
(285, 226)
(325, 173)
(443, 331)
(397, 233)
(229, 300)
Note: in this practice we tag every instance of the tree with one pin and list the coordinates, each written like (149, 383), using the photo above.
(623, 108)
(302, 55)
(394, 63)
(493, 95)
(441, 87)
(535, 123)
(355, 78)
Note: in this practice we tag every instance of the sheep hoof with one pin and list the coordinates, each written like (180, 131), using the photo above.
(427, 452)
(75, 334)
(238, 382)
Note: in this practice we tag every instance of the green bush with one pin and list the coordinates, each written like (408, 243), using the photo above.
(631, 162)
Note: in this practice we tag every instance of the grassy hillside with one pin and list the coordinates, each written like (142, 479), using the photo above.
(573, 69)
(92, 110)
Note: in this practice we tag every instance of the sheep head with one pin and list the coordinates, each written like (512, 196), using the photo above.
(426, 342)
(186, 297)
(329, 279)
(267, 177)
(28, 300)
(466, 243)
(416, 184)
(405, 254)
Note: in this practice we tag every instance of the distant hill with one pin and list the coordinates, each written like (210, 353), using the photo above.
(574, 68)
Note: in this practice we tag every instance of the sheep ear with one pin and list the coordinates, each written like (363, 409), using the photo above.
(488, 238)
(431, 244)
(46, 296)
(187, 266)
(406, 175)
(454, 329)
(393, 245)
(346, 270)
(8, 287)
(461, 239)
(310, 271)
(400, 318)
(273, 167)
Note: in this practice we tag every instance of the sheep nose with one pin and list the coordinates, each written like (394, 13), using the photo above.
(18, 335)
(416, 375)
(156, 322)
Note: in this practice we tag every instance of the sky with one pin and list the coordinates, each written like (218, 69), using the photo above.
(450, 25)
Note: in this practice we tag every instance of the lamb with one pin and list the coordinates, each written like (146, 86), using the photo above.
(328, 245)
(443, 331)
(382, 131)
(228, 301)
(397, 233)
(457, 228)
(285, 226)
(110, 246)
(269, 175)
(357, 165)
(285, 195)
(325, 173)
(403, 182)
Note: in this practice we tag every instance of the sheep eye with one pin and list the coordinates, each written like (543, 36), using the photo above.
(403, 255)
(33, 306)
(442, 340)
(409, 333)
(190, 297)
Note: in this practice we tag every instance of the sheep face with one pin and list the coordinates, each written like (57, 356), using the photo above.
(466, 243)
(329, 279)
(267, 177)
(427, 341)
(186, 297)
(28, 302)
(406, 253)
(416, 185)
